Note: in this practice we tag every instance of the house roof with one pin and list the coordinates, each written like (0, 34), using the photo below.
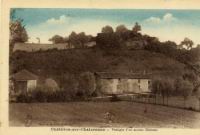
(24, 75)
(108, 75)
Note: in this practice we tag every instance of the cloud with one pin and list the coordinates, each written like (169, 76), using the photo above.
(153, 20)
(168, 17)
(61, 20)
(64, 26)
(174, 33)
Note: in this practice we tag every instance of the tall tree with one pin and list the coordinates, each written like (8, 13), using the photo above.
(17, 33)
(197, 93)
(168, 87)
(108, 40)
(82, 38)
(137, 28)
(107, 29)
(79, 40)
(188, 43)
(56, 39)
(72, 39)
(121, 29)
(156, 87)
(86, 84)
(186, 90)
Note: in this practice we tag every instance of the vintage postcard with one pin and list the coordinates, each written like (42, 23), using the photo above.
(107, 67)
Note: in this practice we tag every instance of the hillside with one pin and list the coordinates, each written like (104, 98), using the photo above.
(75, 61)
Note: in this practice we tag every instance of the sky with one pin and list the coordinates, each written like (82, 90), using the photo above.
(168, 24)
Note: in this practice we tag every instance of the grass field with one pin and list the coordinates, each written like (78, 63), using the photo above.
(126, 114)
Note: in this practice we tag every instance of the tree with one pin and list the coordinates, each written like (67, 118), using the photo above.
(82, 38)
(177, 86)
(197, 93)
(121, 29)
(156, 87)
(17, 33)
(72, 39)
(86, 84)
(168, 87)
(186, 90)
(108, 40)
(188, 43)
(107, 29)
(191, 77)
(136, 28)
(57, 39)
(79, 40)
(163, 87)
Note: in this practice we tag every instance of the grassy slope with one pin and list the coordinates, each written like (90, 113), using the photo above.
(127, 114)
(77, 60)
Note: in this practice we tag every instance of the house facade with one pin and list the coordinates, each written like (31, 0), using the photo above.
(23, 82)
(122, 83)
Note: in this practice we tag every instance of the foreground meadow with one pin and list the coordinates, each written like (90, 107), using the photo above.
(92, 114)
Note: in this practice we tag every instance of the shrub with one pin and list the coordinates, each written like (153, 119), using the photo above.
(23, 98)
(59, 96)
(86, 84)
(39, 96)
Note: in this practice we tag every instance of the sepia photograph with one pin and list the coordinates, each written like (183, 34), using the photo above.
(89, 67)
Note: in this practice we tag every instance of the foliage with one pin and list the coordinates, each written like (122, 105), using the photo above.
(86, 84)
(188, 43)
(79, 40)
(197, 92)
(107, 29)
(17, 33)
(156, 86)
(163, 87)
(42, 94)
(108, 40)
(23, 98)
(121, 29)
(186, 88)
(56, 39)
(137, 28)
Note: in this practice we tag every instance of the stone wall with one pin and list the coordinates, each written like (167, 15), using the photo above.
(122, 86)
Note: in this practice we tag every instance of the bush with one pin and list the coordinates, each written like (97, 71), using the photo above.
(59, 96)
(39, 96)
(23, 98)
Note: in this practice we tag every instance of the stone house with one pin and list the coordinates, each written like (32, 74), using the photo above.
(122, 83)
(23, 81)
